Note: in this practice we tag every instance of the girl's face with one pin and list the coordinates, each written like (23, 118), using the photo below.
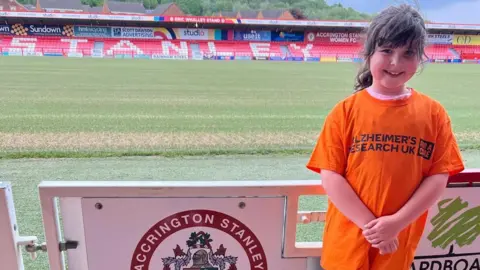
(391, 68)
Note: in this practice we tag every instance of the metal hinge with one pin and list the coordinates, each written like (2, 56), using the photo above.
(32, 247)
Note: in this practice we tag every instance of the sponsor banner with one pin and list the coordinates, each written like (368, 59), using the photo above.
(313, 59)
(288, 36)
(450, 239)
(141, 56)
(194, 19)
(37, 30)
(328, 59)
(143, 32)
(277, 58)
(466, 39)
(333, 37)
(52, 54)
(303, 23)
(164, 33)
(260, 58)
(13, 53)
(199, 34)
(132, 32)
(208, 56)
(244, 57)
(92, 31)
(286, 58)
(195, 33)
(75, 54)
(123, 56)
(440, 39)
(470, 61)
(253, 35)
(449, 26)
(222, 57)
(5, 30)
(89, 31)
(212, 20)
(344, 60)
(171, 57)
(296, 58)
(21, 52)
(30, 53)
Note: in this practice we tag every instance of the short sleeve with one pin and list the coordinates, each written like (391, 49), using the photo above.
(446, 152)
(329, 152)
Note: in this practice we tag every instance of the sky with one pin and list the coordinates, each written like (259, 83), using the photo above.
(453, 11)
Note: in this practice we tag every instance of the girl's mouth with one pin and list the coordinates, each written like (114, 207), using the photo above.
(393, 74)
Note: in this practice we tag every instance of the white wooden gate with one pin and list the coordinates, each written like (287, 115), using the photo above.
(208, 225)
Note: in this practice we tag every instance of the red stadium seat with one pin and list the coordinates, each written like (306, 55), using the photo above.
(440, 51)
(112, 47)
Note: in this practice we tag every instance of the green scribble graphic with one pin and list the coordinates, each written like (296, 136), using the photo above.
(463, 229)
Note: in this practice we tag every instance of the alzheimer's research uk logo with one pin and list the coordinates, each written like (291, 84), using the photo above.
(199, 252)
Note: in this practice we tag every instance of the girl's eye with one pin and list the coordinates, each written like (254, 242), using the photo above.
(409, 53)
(386, 50)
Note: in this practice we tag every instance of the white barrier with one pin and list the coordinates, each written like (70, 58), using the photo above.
(149, 224)
(10, 255)
(10, 241)
(224, 225)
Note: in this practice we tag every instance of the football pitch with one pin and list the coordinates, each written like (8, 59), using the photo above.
(108, 119)
(55, 107)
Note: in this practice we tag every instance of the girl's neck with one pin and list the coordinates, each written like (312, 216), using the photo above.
(389, 92)
(379, 95)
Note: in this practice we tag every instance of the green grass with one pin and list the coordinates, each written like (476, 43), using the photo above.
(53, 107)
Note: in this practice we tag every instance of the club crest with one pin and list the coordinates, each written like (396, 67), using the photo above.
(200, 255)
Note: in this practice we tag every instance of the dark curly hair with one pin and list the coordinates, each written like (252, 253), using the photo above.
(394, 27)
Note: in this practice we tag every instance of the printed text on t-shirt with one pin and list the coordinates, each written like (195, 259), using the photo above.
(409, 145)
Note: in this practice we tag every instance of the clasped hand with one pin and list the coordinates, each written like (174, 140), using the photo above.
(382, 233)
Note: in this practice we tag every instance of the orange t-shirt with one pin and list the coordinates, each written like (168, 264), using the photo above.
(384, 148)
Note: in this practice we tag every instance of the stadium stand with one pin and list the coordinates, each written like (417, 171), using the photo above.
(258, 50)
(468, 52)
(137, 40)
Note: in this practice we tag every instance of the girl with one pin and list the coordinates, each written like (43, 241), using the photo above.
(384, 154)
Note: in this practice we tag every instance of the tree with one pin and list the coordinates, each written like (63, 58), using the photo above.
(27, 2)
(150, 4)
(298, 14)
(193, 7)
(93, 3)
(300, 9)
